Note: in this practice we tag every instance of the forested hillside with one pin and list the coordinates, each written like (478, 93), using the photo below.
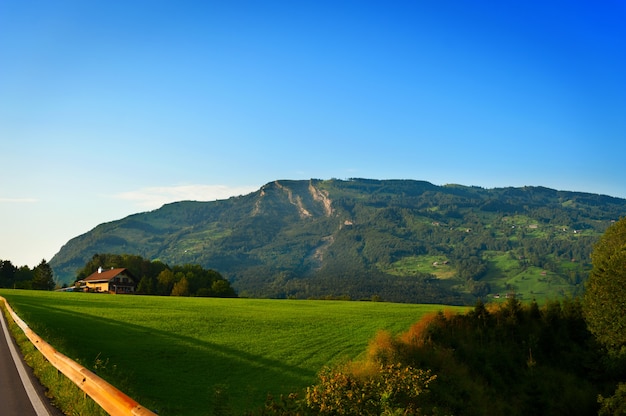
(399, 240)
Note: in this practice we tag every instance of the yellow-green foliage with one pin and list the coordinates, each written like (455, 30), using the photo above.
(605, 309)
(614, 405)
(507, 358)
(391, 389)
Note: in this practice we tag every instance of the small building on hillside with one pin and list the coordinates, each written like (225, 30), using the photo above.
(110, 281)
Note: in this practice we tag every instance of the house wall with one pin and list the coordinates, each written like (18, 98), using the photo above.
(122, 283)
(123, 289)
(122, 279)
(98, 287)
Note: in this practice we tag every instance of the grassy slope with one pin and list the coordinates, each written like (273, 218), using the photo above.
(504, 274)
(173, 354)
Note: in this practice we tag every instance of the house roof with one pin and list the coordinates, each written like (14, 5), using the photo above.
(106, 275)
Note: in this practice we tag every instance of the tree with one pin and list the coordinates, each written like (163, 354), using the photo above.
(7, 273)
(181, 288)
(146, 286)
(23, 278)
(43, 277)
(604, 307)
(391, 389)
(222, 289)
(165, 282)
(615, 405)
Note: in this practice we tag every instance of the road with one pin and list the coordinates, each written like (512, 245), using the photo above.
(20, 393)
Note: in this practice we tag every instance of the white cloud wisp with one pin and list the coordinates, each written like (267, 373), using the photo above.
(154, 197)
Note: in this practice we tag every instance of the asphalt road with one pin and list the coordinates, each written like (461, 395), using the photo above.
(20, 393)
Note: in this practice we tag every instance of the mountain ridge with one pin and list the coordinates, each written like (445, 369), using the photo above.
(367, 237)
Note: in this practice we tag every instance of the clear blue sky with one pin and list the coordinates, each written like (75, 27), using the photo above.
(109, 108)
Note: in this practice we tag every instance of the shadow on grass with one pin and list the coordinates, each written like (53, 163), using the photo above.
(168, 372)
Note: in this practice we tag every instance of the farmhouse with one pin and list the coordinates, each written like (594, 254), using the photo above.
(110, 281)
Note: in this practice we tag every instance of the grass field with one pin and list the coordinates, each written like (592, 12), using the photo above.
(412, 265)
(190, 355)
(528, 283)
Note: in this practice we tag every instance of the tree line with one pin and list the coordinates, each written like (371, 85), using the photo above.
(158, 278)
(40, 277)
(153, 277)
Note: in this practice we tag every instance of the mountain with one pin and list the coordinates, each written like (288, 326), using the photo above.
(399, 240)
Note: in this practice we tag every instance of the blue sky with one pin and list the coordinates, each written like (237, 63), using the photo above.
(109, 108)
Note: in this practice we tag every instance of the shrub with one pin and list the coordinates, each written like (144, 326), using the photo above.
(393, 389)
(615, 405)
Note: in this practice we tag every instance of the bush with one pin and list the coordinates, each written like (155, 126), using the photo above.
(392, 389)
(614, 405)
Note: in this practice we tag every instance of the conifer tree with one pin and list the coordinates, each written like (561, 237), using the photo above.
(43, 277)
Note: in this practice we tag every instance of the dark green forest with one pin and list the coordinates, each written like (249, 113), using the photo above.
(398, 240)
(40, 277)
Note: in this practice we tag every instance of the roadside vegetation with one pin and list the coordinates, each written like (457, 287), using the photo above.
(61, 391)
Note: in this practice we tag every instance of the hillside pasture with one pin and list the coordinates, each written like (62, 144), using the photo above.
(194, 355)
(507, 274)
(424, 264)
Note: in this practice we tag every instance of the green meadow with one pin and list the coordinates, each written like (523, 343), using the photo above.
(425, 264)
(506, 273)
(528, 283)
(192, 356)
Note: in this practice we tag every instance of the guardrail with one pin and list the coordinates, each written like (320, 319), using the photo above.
(108, 397)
